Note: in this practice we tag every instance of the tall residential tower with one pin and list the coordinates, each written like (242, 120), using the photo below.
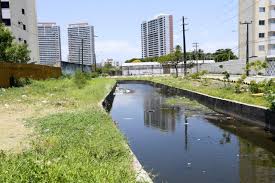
(81, 36)
(49, 43)
(157, 36)
(262, 30)
(20, 17)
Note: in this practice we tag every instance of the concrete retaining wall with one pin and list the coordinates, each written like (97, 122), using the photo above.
(248, 113)
(70, 68)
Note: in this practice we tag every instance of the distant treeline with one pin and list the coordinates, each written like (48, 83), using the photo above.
(220, 55)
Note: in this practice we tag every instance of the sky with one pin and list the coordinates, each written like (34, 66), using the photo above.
(212, 23)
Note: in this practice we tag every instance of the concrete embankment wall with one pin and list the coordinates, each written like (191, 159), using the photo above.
(8, 71)
(248, 113)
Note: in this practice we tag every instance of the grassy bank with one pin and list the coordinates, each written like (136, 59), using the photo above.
(79, 143)
(209, 87)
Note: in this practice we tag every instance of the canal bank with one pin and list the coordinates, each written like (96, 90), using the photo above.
(141, 174)
(249, 113)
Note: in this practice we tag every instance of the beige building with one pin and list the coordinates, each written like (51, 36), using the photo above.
(20, 16)
(262, 30)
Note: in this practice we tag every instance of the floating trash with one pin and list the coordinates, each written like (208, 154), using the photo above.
(128, 118)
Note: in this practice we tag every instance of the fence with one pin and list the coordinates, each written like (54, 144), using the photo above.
(32, 71)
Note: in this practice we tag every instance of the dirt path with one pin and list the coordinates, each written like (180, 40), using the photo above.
(13, 133)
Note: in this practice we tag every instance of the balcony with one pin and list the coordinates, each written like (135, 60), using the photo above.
(272, 27)
(272, 2)
(272, 13)
(271, 40)
(271, 52)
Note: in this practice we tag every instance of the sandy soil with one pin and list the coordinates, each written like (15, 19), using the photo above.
(13, 133)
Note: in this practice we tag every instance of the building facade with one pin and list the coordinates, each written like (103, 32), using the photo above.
(49, 43)
(81, 36)
(262, 30)
(157, 36)
(20, 16)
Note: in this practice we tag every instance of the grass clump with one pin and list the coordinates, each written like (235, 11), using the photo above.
(80, 79)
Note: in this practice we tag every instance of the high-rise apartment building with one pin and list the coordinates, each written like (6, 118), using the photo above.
(81, 36)
(20, 17)
(157, 36)
(262, 30)
(49, 43)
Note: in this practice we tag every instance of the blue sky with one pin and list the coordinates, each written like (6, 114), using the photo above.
(212, 23)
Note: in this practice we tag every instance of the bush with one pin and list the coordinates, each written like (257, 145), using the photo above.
(238, 88)
(94, 75)
(80, 79)
(198, 75)
(270, 96)
(254, 87)
(19, 82)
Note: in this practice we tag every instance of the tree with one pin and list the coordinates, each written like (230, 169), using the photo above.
(222, 55)
(10, 51)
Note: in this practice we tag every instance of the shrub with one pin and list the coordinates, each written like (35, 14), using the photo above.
(19, 82)
(94, 75)
(198, 75)
(237, 88)
(254, 87)
(80, 79)
(270, 96)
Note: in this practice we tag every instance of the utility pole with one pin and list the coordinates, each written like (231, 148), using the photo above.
(247, 45)
(184, 46)
(82, 66)
(196, 45)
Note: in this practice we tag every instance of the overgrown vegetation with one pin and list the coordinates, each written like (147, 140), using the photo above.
(213, 88)
(78, 144)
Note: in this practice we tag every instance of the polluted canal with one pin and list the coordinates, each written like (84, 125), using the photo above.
(178, 140)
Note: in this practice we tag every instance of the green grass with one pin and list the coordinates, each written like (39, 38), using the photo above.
(212, 88)
(79, 144)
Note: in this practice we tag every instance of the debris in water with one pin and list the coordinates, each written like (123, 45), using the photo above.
(199, 139)
(204, 172)
(128, 118)
(189, 165)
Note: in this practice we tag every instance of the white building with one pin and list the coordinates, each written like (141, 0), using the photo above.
(78, 35)
(157, 36)
(20, 16)
(49, 43)
(262, 30)
(111, 62)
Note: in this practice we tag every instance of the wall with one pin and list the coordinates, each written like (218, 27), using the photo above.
(36, 72)
(244, 112)
(70, 68)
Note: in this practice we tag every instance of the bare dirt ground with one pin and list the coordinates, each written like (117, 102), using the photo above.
(13, 132)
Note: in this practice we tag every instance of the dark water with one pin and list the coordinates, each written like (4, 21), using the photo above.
(191, 144)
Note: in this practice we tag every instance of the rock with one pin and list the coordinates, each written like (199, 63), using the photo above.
(6, 105)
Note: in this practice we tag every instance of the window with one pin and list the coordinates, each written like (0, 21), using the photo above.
(25, 42)
(20, 39)
(5, 4)
(261, 48)
(261, 22)
(24, 27)
(261, 35)
(7, 22)
(262, 9)
(23, 11)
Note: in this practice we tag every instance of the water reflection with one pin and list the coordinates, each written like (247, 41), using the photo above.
(158, 116)
(189, 143)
